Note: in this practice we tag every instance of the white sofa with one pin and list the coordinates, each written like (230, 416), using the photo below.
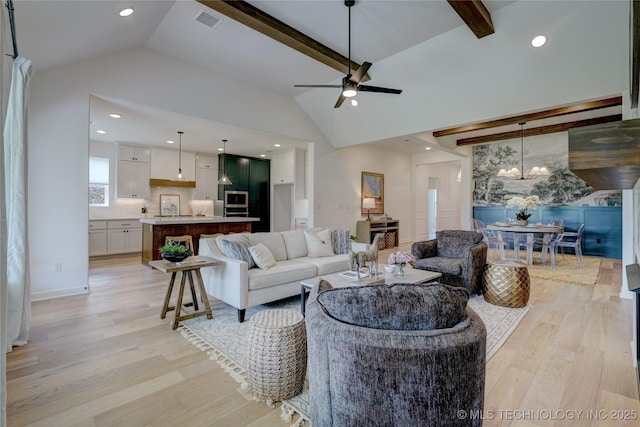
(241, 287)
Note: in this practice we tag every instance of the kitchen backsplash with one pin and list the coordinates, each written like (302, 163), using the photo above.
(132, 208)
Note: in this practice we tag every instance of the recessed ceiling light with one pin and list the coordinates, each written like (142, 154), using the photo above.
(220, 149)
(538, 41)
(276, 145)
(354, 102)
(427, 148)
(101, 132)
(127, 11)
(170, 141)
(115, 115)
(263, 155)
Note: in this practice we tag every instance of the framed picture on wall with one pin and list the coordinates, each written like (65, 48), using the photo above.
(169, 204)
(372, 188)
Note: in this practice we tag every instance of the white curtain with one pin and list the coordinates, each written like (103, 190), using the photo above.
(5, 79)
(15, 177)
(15, 304)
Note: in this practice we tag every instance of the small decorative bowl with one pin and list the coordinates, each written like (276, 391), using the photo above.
(176, 257)
(389, 268)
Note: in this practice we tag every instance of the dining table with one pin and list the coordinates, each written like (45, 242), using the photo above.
(519, 231)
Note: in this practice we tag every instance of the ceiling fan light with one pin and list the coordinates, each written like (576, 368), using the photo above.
(349, 90)
(354, 102)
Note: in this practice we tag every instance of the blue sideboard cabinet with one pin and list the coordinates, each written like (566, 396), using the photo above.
(602, 234)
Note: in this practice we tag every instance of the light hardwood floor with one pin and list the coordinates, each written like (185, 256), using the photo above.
(107, 359)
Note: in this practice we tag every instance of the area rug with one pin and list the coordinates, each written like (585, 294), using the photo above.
(567, 270)
(223, 338)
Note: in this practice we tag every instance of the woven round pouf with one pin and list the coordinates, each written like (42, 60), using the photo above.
(506, 284)
(276, 355)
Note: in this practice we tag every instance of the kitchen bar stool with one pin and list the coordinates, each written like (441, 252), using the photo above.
(185, 240)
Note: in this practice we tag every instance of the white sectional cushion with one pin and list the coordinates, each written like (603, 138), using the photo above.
(329, 264)
(295, 243)
(262, 256)
(319, 244)
(283, 272)
(273, 241)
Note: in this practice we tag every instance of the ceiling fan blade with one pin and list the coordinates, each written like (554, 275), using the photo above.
(361, 72)
(334, 86)
(366, 88)
(341, 99)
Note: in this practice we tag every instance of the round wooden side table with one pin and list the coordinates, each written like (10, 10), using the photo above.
(506, 284)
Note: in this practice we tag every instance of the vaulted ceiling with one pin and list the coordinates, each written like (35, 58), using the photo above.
(272, 44)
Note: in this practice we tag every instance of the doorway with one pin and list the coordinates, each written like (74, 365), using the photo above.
(282, 207)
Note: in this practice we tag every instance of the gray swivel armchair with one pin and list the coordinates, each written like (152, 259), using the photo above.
(394, 355)
(459, 255)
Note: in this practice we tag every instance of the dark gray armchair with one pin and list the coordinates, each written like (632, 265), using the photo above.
(394, 355)
(459, 255)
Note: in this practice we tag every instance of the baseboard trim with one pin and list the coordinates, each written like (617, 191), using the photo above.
(46, 295)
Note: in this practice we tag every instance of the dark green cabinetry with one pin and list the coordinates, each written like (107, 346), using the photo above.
(259, 174)
(252, 175)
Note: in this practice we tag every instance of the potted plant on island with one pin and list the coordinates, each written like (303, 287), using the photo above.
(175, 252)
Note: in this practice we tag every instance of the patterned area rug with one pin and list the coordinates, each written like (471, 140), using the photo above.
(224, 340)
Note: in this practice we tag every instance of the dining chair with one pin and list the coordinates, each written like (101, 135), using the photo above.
(490, 237)
(575, 242)
(549, 247)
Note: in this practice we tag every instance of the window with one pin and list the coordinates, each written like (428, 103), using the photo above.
(98, 181)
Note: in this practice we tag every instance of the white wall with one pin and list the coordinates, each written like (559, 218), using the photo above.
(338, 186)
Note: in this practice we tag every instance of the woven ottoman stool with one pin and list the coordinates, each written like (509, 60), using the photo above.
(506, 284)
(276, 354)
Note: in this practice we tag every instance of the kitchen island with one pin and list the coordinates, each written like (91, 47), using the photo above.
(155, 230)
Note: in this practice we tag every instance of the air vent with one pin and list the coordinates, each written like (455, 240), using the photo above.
(206, 19)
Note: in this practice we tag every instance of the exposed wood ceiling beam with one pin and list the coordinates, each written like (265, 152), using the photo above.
(554, 112)
(266, 24)
(475, 15)
(541, 130)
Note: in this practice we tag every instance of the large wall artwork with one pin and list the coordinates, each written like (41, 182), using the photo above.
(560, 188)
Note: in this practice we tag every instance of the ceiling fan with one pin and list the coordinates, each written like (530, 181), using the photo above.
(351, 82)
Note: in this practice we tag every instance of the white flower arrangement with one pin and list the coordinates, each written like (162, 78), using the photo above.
(524, 204)
(401, 258)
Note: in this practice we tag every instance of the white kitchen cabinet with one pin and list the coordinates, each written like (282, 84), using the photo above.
(282, 168)
(133, 179)
(206, 184)
(134, 153)
(124, 236)
(206, 162)
(97, 238)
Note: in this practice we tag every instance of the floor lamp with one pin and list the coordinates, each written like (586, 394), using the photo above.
(368, 203)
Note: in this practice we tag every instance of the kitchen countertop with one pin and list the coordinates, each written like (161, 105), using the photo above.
(195, 220)
(117, 218)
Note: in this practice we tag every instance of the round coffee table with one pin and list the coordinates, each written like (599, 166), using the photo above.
(506, 284)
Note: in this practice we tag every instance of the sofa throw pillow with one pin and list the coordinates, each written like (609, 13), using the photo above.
(319, 244)
(341, 241)
(262, 256)
(397, 307)
(237, 248)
